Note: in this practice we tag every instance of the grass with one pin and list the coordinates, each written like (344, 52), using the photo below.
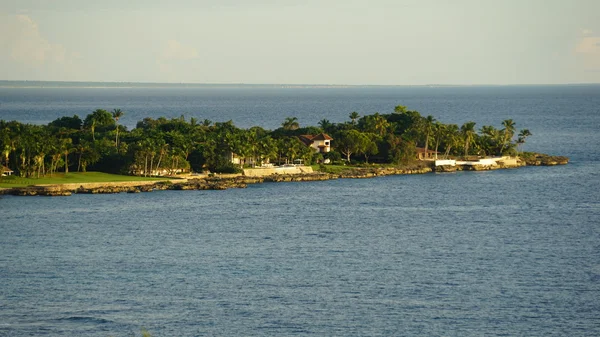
(338, 169)
(333, 169)
(70, 178)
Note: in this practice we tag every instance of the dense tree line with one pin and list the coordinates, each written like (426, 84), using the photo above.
(99, 142)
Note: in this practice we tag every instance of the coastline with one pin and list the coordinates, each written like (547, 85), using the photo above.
(223, 182)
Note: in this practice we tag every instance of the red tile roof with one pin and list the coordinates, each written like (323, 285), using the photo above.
(309, 139)
(322, 136)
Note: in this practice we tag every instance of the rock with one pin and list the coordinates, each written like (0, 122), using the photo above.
(223, 183)
(541, 159)
(318, 176)
(55, 193)
(445, 168)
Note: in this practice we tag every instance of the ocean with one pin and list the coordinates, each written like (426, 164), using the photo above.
(498, 253)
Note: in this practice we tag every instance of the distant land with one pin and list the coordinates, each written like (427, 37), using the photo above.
(74, 84)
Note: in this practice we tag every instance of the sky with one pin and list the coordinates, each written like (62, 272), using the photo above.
(352, 42)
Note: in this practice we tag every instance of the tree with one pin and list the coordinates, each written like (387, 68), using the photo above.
(87, 155)
(400, 109)
(451, 138)
(267, 148)
(375, 123)
(6, 153)
(509, 132)
(428, 124)
(291, 148)
(290, 123)
(439, 129)
(65, 149)
(523, 134)
(350, 142)
(468, 132)
(117, 113)
(101, 119)
(353, 117)
(490, 140)
(401, 151)
(326, 125)
(370, 147)
(67, 122)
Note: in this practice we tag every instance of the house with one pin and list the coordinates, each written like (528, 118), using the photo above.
(321, 142)
(6, 171)
(253, 161)
(235, 159)
(425, 155)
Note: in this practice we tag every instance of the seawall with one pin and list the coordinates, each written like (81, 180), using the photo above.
(264, 172)
(285, 174)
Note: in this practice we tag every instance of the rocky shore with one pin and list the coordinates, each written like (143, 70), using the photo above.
(241, 181)
(540, 159)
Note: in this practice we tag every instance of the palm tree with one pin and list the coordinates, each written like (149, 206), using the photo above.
(65, 148)
(6, 153)
(439, 129)
(268, 148)
(93, 129)
(117, 113)
(522, 136)
(400, 109)
(379, 124)
(468, 133)
(491, 139)
(428, 123)
(354, 116)
(326, 125)
(80, 149)
(290, 123)
(451, 138)
(99, 118)
(509, 131)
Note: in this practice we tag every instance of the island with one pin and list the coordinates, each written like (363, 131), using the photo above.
(98, 155)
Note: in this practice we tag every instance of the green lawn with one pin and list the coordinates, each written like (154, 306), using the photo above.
(335, 169)
(70, 178)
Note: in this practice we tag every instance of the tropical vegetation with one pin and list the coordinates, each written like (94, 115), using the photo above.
(168, 146)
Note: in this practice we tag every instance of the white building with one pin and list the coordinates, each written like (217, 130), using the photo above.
(321, 142)
(6, 171)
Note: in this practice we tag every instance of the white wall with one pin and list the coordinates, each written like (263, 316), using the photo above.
(450, 162)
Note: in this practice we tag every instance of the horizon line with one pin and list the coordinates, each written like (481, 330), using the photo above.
(231, 84)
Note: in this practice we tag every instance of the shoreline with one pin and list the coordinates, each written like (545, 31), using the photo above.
(242, 181)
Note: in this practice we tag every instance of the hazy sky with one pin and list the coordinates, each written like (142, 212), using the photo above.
(302, 41)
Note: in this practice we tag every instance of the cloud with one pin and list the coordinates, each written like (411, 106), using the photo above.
(26, 53)
(587, 50)
(25, 44)
(174, 50)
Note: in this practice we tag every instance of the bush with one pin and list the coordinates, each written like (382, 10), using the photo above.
(228, 168)
(334, 156)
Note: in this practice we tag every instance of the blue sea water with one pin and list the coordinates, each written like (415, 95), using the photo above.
(500, 253)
